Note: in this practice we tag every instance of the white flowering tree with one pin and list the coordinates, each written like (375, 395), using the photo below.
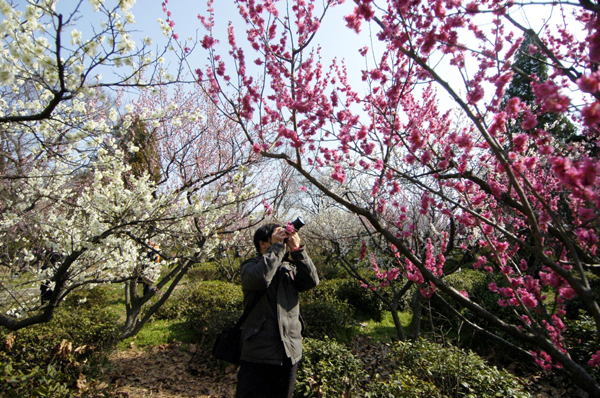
(75, 211)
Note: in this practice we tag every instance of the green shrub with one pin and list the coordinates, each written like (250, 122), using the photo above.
(86, 299)
(364, 302)
(175, 306)
(326, 291)
(580, 339)
(210, 306)
(455, 372)
(401, 385)
(43, 360)
(327, 369)
(203, 272)
(36, 382)
(95, 329)
(327, 318)
(348, 291)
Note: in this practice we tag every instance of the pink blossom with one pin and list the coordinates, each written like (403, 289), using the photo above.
(595, 361)
(472, 8)
(548, 96)
(363, 250)
(529, 122)
(289, 228)
(256, 147)
(268, 208)
(589, 84)
(208, 42)
(591, 114)
(513, 106)
(532, 49)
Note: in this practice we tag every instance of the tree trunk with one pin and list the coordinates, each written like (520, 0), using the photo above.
(417, 310)
(397, 324)
(134, 304)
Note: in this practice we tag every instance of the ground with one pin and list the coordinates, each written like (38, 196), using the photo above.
(178, 371)
(170, 371)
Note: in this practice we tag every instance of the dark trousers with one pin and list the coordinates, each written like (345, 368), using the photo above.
(257, 380)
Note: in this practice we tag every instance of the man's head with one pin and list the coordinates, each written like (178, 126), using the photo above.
(263, 234)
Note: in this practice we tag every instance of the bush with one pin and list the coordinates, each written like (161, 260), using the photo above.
(327, 369)
(455, 372)
(46, 359)
(331, 318)
(37, 382)
(580, 339)
(364, 302)
(347, 291)
(203, 272)
(326, 291)
(210, 306)
(401, 385)
(174, 307)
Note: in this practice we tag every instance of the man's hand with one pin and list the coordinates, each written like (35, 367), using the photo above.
(279, 235)
(293, 241)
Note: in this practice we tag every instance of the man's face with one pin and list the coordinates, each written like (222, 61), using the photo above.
(276, 236)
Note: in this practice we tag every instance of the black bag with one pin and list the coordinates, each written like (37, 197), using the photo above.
(228, 344)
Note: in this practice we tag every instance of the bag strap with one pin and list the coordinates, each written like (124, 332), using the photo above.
(249, 309)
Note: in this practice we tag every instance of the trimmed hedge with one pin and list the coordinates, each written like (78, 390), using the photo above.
(454, 372)
(45, 360)
(327, 369)
(210, 306)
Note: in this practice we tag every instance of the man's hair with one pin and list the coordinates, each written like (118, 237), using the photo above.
(263, 234)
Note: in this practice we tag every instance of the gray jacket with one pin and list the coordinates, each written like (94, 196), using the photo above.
(273, 329)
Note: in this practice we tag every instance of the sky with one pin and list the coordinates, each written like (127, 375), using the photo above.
(336, 40)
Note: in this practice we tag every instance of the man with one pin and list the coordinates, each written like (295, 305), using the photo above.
(271, 335)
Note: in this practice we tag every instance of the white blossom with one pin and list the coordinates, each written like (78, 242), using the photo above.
(75, 37)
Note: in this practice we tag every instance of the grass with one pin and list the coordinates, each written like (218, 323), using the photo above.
(160, 332)
(385, 330)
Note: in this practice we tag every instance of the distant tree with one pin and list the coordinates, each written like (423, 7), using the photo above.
(531, 65)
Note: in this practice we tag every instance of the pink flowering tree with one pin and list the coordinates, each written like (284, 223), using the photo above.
(528, 200)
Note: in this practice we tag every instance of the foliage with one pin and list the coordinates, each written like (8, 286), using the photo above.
(37, 382)
(327, 369)
(48, 358)
(208, 307)
(348, 291)
(364, 302)
(401, 385)
(327, 318)
(455, 372)
(581, 339)
(203, 272)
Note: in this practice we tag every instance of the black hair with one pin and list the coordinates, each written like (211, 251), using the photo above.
(263, 234)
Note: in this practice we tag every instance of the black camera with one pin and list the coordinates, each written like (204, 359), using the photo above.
(298, 223)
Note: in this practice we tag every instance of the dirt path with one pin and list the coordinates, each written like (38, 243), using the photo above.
(169, 371)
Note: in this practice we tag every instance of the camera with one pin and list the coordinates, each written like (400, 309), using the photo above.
(298, 223)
